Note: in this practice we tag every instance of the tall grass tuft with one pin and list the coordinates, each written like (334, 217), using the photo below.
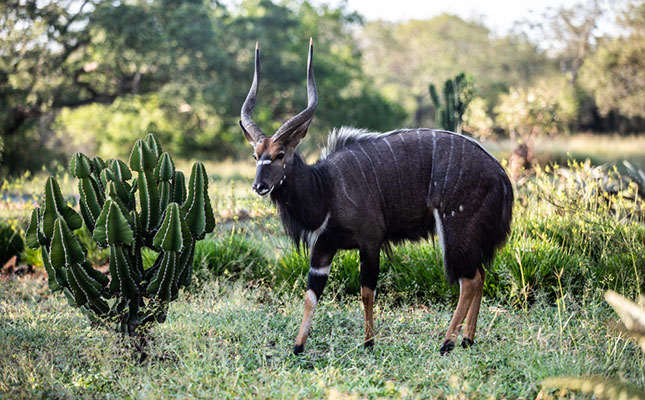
(632, 316)
(230, 254)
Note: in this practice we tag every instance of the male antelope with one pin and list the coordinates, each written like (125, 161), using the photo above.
(372, 189)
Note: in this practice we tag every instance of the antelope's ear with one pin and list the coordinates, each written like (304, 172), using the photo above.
(248, 137)
(292, 139)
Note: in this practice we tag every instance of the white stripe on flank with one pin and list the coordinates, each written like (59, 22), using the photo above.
(369, 187)
(342, 182)
(432, 163)
(263, 162)
(473, 141)
(400, 136)
(324, 271)
(455, 186)
(439, 227)
(398, 175)
(419, 149)
(445, 180)
(378, 185)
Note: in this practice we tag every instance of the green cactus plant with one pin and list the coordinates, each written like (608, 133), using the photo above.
(457, 93)
(126, 214)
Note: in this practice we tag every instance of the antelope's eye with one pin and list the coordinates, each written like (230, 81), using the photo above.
(280, 156)
(254, 157)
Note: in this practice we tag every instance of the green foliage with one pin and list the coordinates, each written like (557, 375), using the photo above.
(543, 109)
(134, 295)
(89, 78)
(116, 71)
(476, 120)
(615, 77)
(11, 242)
(586, 219)
(457, 94)
(401, 58)
(615, 73)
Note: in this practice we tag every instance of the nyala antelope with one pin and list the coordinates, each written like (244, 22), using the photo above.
(370, 190)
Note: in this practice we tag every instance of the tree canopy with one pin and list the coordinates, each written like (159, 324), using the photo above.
(110, 71)
(615, 73)
(93, 75)
(403, 58)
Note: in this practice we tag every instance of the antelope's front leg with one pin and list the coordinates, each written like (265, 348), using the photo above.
(318, 273)
(369, 276)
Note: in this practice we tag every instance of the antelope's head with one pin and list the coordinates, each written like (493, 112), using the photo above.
(273, 154)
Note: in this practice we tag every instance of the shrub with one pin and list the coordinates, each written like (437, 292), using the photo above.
(11, 243)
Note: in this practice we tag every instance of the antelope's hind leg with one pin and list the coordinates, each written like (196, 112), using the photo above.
(473, 311)
(468, 289)
(319, 267)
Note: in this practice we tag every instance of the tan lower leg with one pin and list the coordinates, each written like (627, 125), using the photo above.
(473, 311)
(367, 295)
(310, 305)
(466, 293)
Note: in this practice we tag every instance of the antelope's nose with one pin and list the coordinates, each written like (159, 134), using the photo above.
(260, 188)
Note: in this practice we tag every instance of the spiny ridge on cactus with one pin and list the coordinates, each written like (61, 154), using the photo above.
(168, 219)
(199, 214)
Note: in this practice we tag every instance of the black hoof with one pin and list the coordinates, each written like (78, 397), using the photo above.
(298, 349)
(446, 347)
(369, 343)
(466, 343)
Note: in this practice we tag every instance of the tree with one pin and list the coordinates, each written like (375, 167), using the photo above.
(573, 31)
(545, 108)
(108, 72)
(615, 74)
(347, 96)
(404, 58)
(68, 54)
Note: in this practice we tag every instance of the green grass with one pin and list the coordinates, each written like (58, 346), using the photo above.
(229, 336)
(232, 340)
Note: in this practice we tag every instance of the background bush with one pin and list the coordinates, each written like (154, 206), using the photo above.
(11, 241)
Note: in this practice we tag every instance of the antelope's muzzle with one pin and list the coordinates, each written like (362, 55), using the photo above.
(261, 188)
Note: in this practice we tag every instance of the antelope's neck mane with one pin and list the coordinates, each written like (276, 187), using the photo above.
(302, 200)
(345, 136)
